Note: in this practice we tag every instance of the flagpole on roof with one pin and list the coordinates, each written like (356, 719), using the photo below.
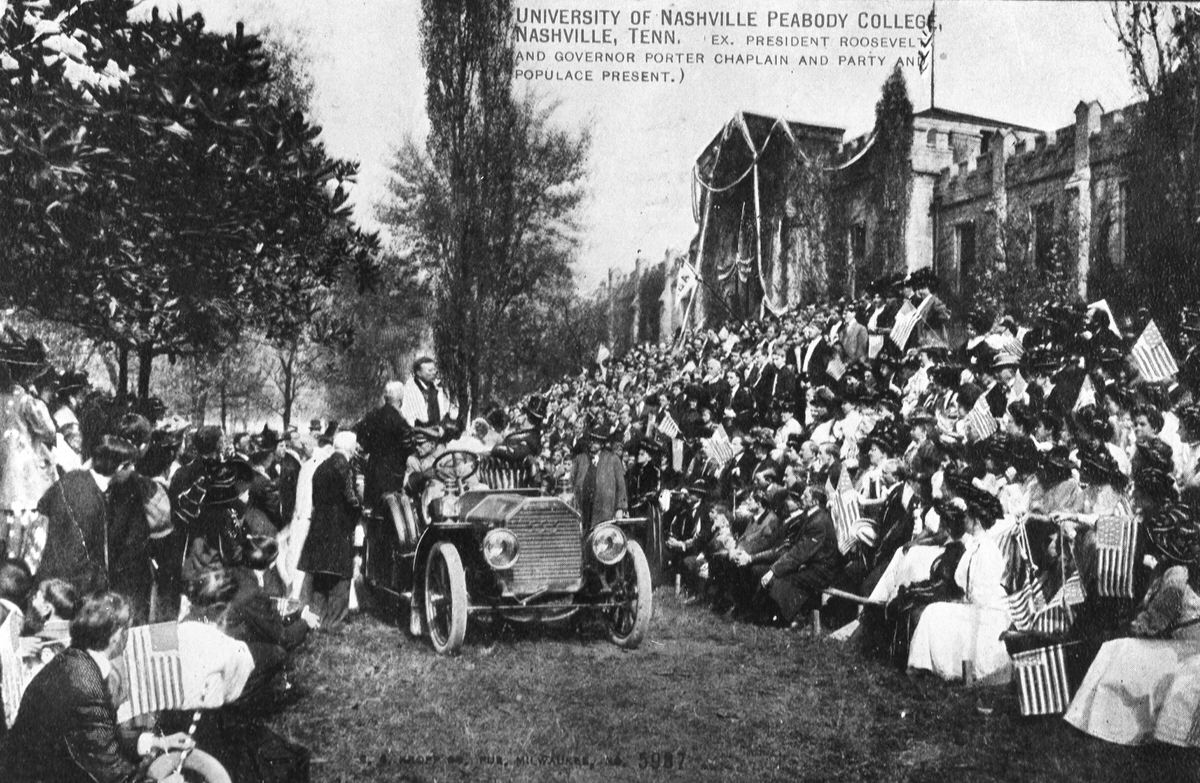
(932, 53)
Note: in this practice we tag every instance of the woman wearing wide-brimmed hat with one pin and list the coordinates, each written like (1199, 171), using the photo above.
(968, 630)
(1148, 687)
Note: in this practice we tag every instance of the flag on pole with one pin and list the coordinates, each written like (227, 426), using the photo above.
(668, 426)
(1152, 357)
(836, 368)
(718, 447)
(843, 507)
(1116, 542)
(1087, 394)
(1042, 680)
(905, 323)
(153, 669)
(602, 354)
(980, 419)
(925, 52)
(1026, 603)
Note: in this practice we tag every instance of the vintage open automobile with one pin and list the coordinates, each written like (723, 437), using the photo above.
(511, 552)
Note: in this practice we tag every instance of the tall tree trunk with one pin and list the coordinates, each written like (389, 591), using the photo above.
(145, 365)
(224, 405)
(122, 372)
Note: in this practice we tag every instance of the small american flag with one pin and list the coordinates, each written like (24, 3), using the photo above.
(154, 670)
(902, 329)
(668, 426)
(1042, 679)
(836, 368)
(1026, 602)
(843, 507)
(980, 419)
(1152, 357)
(719, 447)
(1116, 540)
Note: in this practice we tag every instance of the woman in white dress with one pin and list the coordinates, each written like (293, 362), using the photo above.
(951, 634)
(1136, 684)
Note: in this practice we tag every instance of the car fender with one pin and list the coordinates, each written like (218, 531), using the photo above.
(461, 534)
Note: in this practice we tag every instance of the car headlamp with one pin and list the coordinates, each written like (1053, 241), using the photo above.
(608, 544)
(500, 548)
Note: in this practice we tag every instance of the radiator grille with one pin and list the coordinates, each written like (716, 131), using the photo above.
(551, 546)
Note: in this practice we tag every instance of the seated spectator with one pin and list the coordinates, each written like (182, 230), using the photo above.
(1121, 697)
(950, 635)
(66, 729)
(53, 606)
(809, 561)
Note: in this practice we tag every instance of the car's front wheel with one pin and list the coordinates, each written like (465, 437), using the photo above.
(445, 598)
(633, 595)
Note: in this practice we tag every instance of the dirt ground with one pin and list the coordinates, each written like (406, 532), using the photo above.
(704, 698)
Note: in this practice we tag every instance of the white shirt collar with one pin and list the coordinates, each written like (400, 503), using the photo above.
(101, 481)
(102, 661)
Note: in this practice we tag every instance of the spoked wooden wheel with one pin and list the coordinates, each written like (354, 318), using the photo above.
(445, 598)
(630, 618)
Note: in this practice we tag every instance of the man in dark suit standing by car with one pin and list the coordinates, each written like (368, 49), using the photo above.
(387, 438)
(598, 477)
(66, 729)
(329, 549)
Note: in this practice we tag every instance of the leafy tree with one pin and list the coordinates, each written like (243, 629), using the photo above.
(486, 207)
(891, 174)
(195, 199)
(1162, 45)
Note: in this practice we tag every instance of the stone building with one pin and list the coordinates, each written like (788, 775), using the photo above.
(984, 191)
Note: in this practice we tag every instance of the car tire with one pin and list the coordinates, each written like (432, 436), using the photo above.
(445, 598)
(627, 625)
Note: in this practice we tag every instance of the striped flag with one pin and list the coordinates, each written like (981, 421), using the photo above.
(718, 447)
(1152, 357)
(1042, 680)
(836, 368)
(843, 507)
(668, 426)
(980, 419)
(906, 321)
(153, 670)
(1087, 394)
(1026, 603)
(1116, 542)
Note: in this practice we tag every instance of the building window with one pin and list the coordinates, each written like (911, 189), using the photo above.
(931, 138)
(858, 245)
(964, 250)
(1043, 235)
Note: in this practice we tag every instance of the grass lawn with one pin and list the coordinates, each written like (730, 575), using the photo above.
(702, 699)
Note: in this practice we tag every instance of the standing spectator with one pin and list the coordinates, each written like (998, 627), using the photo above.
(852, 337)
(81, 546)
(386, 435)
(426, 404)
(328, 553)
(28, 434)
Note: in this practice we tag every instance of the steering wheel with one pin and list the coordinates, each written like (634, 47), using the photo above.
(454, 466)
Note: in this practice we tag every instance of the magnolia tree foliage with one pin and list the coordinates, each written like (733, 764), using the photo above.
(484, 209)
(174, 198)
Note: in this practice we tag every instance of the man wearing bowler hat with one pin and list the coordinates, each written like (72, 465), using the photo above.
(598, 476)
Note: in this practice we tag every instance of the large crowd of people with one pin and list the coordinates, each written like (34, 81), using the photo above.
(952, 503)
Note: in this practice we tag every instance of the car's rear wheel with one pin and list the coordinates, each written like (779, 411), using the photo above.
(445, 598)
(633, 594)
